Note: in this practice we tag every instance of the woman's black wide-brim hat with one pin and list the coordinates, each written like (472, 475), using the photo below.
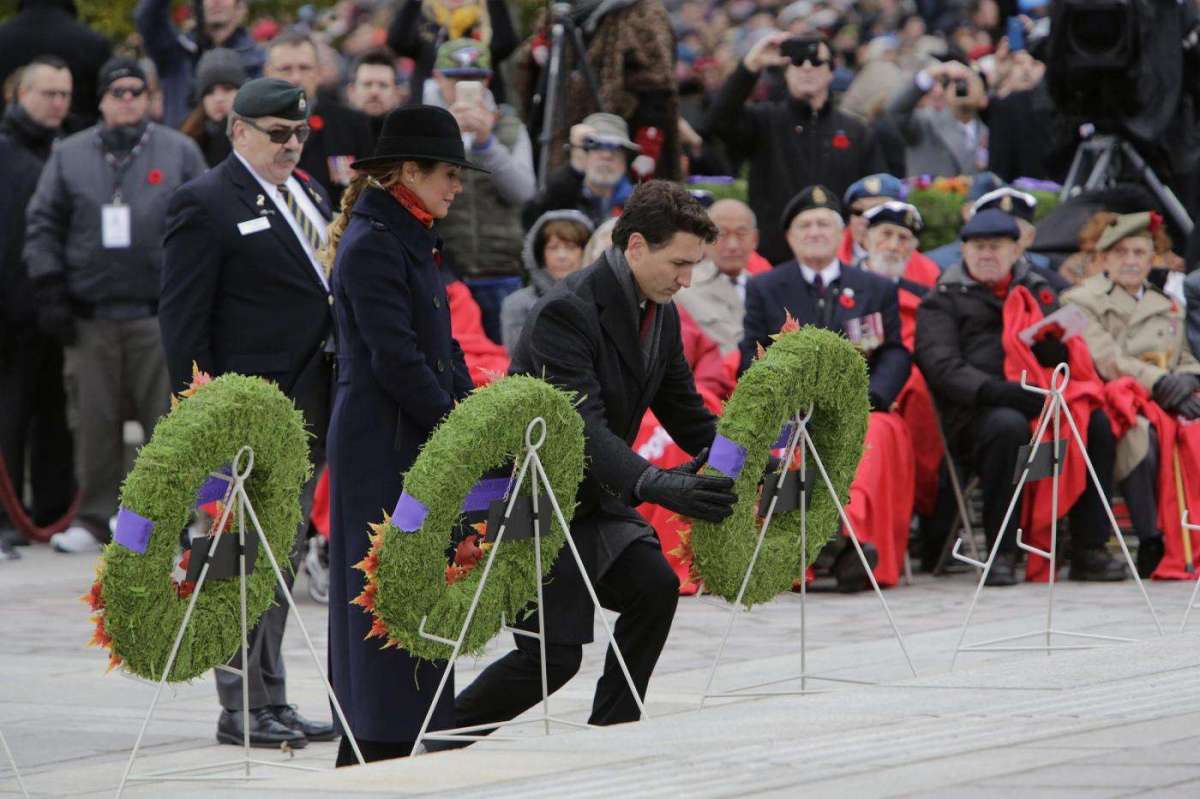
(423, 132)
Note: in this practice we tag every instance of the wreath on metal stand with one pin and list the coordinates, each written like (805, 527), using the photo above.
(413, 588)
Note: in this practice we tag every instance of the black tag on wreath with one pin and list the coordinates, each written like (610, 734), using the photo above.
(787, 486)
(520, 522)
(224, 562)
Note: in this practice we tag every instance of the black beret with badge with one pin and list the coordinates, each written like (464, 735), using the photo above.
(810, 198)
(1010, 201)
(271, 97)
(895, 213)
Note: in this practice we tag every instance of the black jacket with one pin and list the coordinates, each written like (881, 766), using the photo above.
(583, 337)
(958, 346)
(790, 147)
(772, 295)
(24, 148)
(339, 133)
(50, 27)
(245, 302)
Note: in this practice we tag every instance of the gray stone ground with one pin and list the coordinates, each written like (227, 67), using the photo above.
(1120, 720)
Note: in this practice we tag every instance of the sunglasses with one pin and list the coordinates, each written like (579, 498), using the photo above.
(592, 145)
(122, 93)
(283, 134)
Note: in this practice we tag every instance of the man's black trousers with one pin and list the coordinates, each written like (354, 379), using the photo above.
(999, 434)
(644, 590)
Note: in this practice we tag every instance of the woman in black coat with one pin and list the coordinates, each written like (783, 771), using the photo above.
(399, 372)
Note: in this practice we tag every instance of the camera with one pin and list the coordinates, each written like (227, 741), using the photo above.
(801, 49)
(961, 88)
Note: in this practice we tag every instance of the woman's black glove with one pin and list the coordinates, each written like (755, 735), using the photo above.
(710, 499)
(1190, 407)
(1172, 389)
(1007, 394)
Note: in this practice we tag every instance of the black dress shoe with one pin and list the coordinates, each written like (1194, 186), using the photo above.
(10, 536)
(1096, 566)
(1003, 571)
(312, 730)
(265, 730)
(1150, 553)
(848, 569)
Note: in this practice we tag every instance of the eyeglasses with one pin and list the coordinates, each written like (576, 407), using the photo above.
(122, 93)
(282, 135)
(54, 94)
(814, 61)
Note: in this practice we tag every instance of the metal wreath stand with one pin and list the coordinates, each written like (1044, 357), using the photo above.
(531, 465)
(243, 464)
(13, 762)
(1052, 411)
(1188, 527)
(799, 434)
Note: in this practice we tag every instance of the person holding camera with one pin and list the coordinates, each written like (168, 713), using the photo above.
(795, 142)
(482, 234)
(596, 181)
(945, 135)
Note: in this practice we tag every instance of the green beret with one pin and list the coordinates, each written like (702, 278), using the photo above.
(271, 97)
(1126, 225)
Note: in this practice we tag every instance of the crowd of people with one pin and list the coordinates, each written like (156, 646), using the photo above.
(381, 206)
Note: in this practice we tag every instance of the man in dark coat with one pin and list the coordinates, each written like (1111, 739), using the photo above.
(792, 143)
(610, 333)
(985, 415)
(817, 289)
(339, 134)
(50, 27)
(33, 414)
(243, 291)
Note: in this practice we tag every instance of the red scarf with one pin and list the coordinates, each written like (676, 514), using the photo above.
(412, 203)
(1085, 393)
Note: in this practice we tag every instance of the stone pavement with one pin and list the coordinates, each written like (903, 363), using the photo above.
(1120, 720)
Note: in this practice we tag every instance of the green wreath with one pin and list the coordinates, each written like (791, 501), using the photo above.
(138, 605)
(809, 365)
(407, 575)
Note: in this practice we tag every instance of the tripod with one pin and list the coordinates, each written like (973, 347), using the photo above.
(563, 33)
(1098, 164)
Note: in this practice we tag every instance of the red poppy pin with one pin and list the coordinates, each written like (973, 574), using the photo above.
(1156, 221)
(841, 141)
(846, 300)
(1046, 297)
(316, 122)
(154, 177)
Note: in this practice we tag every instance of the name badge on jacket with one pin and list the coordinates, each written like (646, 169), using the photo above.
(865, 332)
(115, 231)
(253, 225)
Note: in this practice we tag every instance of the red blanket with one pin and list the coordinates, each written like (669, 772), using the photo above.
(486, 360)
(1125, 400)
(881, 496)
(1084, 394)
(914, 403)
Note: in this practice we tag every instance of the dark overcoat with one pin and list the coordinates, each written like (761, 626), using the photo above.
(399, 372)
(245, 299)
(770, 296)
(583, 336)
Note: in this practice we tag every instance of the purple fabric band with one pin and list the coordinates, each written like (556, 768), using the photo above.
(133, 531)
(409, 514)
(784, 435)
(727, 456)
(213, 488)
(485, 493)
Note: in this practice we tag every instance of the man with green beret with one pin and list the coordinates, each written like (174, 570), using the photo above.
(243, 291)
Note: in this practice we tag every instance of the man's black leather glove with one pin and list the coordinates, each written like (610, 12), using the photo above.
(1172, 389)
(710, 499)
(54, 317)
(1050, 352)
(1007, 394)
(1190, 407)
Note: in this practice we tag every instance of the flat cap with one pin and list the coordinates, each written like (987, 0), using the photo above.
(991, 224)
(1010, 201)
(881, 185)
(463, 58)
(809, 198)
(893, 212)
(271, 97)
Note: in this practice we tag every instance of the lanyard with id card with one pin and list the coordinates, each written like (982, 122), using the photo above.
(115, 233)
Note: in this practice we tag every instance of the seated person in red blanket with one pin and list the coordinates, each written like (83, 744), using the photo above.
(817, 289)
(1137, 331)
(961, 351)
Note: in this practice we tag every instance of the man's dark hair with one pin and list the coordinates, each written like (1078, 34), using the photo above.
(52, 61)
(658, 209)
(374, 58)
(292, 38)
